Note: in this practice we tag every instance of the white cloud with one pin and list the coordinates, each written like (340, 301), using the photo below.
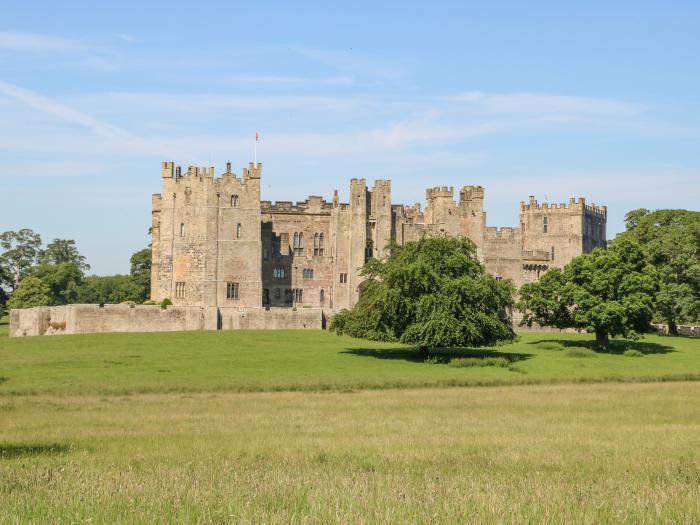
(544, 104)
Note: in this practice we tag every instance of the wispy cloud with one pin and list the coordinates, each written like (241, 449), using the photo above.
(62, 112)
(19, 41)
(539, 103)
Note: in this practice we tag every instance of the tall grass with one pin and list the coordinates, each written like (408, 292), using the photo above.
(547, 454)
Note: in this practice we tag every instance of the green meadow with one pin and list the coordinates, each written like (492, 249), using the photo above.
(308, 427)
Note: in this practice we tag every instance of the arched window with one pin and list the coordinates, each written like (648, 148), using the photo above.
(369, 248)
(238, 230)
(322, 296)
(552, 258)
(545, 224)
(234, 200)
(320, 245)
(298, 245)
(182, 229)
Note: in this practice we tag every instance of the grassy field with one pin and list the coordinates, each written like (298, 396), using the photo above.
(249, 361)
(206, 427)
(604, 453)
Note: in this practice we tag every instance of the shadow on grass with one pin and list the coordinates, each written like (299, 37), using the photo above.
(17, 450)
(438, 355)
(3, 379)
(616, 346)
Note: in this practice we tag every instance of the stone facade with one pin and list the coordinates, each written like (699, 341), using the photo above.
(217, 244)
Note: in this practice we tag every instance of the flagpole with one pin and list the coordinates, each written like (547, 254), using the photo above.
(255, 152)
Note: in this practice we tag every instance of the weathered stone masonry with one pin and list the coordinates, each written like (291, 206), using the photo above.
(215, 243)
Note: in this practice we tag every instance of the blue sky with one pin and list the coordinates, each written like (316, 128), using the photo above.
(555, 99)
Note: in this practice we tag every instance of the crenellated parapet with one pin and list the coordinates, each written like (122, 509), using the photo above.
(314, 204)
(574, 204)
(440, 192)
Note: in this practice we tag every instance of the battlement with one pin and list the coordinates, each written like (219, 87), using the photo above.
(379, 183)
(199, 173)
(440, 191)
(358, 182)
(505, 233)
(468, 193)
(574, 204)
(314, 204)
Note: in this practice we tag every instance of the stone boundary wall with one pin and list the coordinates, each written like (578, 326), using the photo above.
(687, 330)
(91, 318)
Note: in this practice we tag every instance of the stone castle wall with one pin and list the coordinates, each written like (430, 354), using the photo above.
(90, 318)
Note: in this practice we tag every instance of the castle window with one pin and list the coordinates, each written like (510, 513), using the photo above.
(182, 230)
(298, 295)
(552, 258)
(384, 200)
(278, 293)
(266, 296)
(308, 273)
(238, 230)
(179, 290)
(322, 296)
(234, 201)
(369, 248)
(298, 244)
(232, 290)
(318, 245)
(545, 224)
(288, 295)
(280, 272)
(343, 277)
(499, 278)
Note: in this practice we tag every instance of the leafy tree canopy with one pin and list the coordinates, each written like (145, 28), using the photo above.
(609, 292)
(20, 252)
(671, 241)
(141, 272)
(109, 289)
(431, 293)
(64, 281)
(60, 251)
(31, 292)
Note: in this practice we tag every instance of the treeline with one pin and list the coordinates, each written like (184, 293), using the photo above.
(32, 275)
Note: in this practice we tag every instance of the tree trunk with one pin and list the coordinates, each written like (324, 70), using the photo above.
(601, 338)
(424, 352)
(672, 327)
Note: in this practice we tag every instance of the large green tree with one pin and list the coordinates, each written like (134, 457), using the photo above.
(608, 292)
(109, 289)
(431, 293)
(671, 241)
(64, 281)
(141, 272)
(20, 252)
(62, 251)
(31, 292)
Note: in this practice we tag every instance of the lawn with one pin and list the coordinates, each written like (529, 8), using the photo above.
(600, 453)
(249, 361)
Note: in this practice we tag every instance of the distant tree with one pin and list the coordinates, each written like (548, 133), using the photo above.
(64, 281)
(60, 251)
(671, 241)
(21, 250)
(109, 289)
(31, 292)
(609, 292)
(431, 293)
(141, 272)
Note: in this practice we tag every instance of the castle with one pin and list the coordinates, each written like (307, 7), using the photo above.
(228, 260)
(217, 244)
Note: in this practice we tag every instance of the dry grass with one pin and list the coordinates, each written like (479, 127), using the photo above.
(613, 453)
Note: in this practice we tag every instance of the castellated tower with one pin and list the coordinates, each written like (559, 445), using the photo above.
(206, 237)
(553, 234)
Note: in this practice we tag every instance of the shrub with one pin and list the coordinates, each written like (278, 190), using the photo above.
(130, 303)
(549, 345)
(578, 351)
(165, 303)
(151, 302)
(632, 353)
(464, 362)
